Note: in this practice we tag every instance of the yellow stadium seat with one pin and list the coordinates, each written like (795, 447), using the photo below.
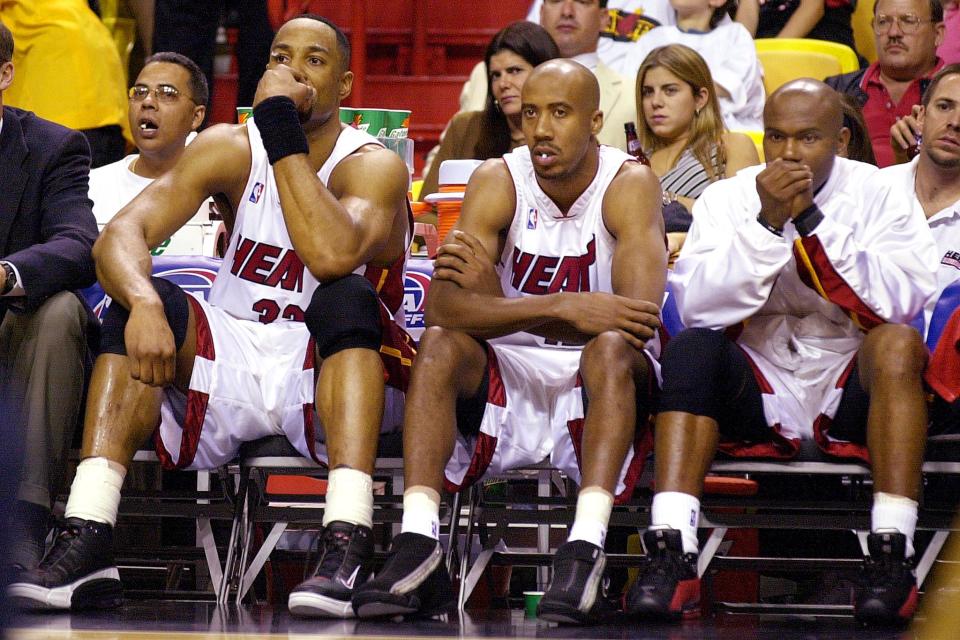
(863, 34)
(757, 137)
(415, 188)
(785, 59)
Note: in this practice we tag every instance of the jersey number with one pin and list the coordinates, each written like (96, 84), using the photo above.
(269, 311)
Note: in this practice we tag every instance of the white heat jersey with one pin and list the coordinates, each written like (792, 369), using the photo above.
(547, 251)
(261, 277)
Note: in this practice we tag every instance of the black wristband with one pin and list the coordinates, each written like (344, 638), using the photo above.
(769, 227)
(279, 125)
(808, 220)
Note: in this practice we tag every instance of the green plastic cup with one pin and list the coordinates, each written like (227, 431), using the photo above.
(243, 113)
(396, 122)
(530, 601)
(368, 120)
(346, 116)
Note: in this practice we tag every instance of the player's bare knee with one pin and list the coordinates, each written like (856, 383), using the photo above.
(895, 351)
(608, 357)
(345, 314)
(443, 350)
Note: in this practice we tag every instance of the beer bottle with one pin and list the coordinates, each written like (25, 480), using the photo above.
(633, 143)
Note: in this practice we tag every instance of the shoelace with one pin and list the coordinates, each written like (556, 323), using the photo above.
(64, 534)
(332, 548)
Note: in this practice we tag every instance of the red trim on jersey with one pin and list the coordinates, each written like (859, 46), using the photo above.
(196, 409)
(396, 351)
(943, 369)
(309, 427)
(388, 283)
(837, 448)
(817, 272)
(486, 444)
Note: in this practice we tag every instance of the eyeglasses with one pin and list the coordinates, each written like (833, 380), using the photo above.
(909, 23)
(164, 93)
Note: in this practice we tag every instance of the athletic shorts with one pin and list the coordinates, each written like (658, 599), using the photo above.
(532, 407)
(253, 380)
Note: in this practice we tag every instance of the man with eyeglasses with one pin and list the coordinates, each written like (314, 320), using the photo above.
(908, 33)
(47, 230)
(167, 104)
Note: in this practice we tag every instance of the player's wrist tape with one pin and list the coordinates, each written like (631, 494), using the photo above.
(279, 125)
(769, 227)
(808, 220)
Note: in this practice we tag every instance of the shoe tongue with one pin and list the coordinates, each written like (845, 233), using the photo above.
(883, 544)
(660, 540)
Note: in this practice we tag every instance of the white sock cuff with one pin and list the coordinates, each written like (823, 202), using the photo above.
(95, 492)
(680, 511)
(421, 512)
(349, 497)
(899, 513)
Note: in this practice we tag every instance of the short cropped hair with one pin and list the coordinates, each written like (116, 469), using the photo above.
(199, 89)
(6, 44)
(343, 43)
(949, 70)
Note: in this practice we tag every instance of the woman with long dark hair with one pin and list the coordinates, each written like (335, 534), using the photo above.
(511, 55)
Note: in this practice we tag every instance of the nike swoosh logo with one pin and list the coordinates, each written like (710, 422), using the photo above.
(348, 583)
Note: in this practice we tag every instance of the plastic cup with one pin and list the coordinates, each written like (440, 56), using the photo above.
(368, 120)
(243, 113)
(530, 601)
(346, 116)
(396, 122)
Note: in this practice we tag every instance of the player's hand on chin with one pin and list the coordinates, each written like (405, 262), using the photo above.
(150, 347)
(597, 312)
(281, 80)
(465, 262)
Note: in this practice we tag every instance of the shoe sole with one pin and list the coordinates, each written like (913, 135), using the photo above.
(562, 614)
(377, 604)
(314, 605)
(98, 590)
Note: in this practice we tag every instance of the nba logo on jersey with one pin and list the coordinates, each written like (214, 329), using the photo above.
(256, 192)
(532, 218)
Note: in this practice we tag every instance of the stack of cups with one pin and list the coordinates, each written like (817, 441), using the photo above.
(454, 175)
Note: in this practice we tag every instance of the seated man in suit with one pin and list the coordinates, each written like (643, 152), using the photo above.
(47, 230)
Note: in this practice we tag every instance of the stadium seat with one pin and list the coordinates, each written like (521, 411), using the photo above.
(863, 35)
(757, 137)
(786, 59)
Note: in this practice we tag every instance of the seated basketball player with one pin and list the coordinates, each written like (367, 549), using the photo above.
(543, 343)
(299, 313)
(788, 281)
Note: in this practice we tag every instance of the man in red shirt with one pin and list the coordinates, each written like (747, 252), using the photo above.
(908, 33)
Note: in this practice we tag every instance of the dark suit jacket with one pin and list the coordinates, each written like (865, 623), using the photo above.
(47, 227)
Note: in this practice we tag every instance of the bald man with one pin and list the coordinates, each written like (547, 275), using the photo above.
(544, 297)
(790, 282)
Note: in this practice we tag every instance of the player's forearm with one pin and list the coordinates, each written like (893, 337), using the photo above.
(488, 316)
(124, 266)
(323, 233)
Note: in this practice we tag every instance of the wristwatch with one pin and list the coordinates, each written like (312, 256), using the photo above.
(11, 279)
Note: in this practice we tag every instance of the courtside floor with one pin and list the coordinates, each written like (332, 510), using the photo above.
(155, 620)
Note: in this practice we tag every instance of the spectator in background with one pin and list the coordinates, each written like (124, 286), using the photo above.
(46, 233)
(626, 22)
(858, 146)
(494, 131)
(726, 46)
(190, 28)
(72, 74)
(949, 49)
(908, 33)
(682, 133)
(575, 26)
(817, 19)
(167, 104)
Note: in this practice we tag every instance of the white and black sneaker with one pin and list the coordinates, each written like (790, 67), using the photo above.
(413, 581)
(345, 552)
(575, 595)
(77, 573)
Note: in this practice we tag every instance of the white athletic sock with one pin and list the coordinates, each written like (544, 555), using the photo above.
(421, 511)
(680, 511)
(898, 513)
(95, 492)
(592, 516)
(349, 497)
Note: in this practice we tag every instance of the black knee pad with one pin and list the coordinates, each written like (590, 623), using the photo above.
(345, 314)
(691, 365)
(175, 308)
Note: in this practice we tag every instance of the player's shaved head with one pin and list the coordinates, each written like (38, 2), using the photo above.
(812, 97)
(570, 78)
